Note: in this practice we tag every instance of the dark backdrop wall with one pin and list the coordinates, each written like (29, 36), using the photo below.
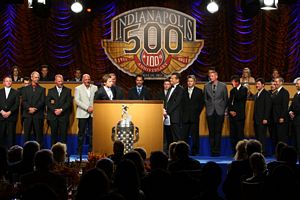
(66, 40)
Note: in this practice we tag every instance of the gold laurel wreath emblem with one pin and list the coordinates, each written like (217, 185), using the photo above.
(129, 62)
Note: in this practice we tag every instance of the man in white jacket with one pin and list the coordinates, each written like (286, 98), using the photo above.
(84, 98)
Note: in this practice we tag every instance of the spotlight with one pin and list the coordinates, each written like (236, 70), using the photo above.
(212, 7)
(269, 4)
(76, 7)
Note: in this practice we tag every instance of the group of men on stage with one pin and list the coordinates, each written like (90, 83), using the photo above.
(271, 111)
(182, 108)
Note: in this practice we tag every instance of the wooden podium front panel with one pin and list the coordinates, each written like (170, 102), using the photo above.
(146, 115)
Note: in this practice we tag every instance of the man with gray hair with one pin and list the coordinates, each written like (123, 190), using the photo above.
(59, 101)
(280, 105)
(84, 99)
(9, 107)
(33, 101)
(216, 98)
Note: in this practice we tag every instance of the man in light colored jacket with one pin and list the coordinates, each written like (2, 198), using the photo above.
(84, 99)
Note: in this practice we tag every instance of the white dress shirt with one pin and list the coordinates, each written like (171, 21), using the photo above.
(109, 93)
(190, 91)
(7, 91)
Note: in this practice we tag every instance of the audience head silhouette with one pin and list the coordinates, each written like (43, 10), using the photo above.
(29, 150)
(182, 150)
(93, 185)
(258, 163)
(158, 160)
(43, 160)
(253, 146)
(15, 153)
(107, 165)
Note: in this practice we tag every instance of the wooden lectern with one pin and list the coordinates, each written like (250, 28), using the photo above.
(146, 115)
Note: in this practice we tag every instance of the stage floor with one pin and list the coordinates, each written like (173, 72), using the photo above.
(202, 159)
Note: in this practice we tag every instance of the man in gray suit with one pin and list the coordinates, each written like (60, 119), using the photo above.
(216, 97)
(84, 99)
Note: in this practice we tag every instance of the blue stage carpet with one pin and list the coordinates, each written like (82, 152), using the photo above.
(221, 159)
(202, 159)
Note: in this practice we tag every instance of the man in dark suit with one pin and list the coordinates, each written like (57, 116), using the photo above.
(119, 91)
(77, 76)
(262, 111)
(236, 110)
(192, 105)
(107, 91)
(59, 101)
(26, 82)
(33, 101)
(216, 97)
(280, 113)
(45, 75)
(9, 107)
(294, 112)
(173, 107)
(139, 92)
(163, 93)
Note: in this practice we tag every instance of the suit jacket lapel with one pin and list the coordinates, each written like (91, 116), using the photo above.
(113, 90)
(210, 90)
(105, 93)
(3, 94)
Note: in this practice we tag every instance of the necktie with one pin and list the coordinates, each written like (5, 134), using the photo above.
(59, 91)
(234, 93)
(214, 89)
(139, 91)
(110, 96)
(190, 93)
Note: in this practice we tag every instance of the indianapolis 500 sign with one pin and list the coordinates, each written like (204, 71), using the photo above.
(153, 41)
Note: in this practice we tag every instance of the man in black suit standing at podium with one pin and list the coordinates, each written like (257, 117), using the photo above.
(139, 92)
(294, 112)
(59, 101)
(107, 91)
(236, 109)
(262, 111)
(173, 108)
(33, 100)
(9, 106)
(192, 105)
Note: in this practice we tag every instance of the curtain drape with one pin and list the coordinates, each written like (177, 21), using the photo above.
(66, 41)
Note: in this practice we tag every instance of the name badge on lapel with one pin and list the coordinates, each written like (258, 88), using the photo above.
(52, 101)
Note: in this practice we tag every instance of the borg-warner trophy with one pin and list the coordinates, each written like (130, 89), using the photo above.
(125, 131)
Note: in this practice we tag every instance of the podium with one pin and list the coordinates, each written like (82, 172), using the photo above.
(147, 115)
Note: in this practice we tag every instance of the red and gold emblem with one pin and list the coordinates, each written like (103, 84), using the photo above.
(153, 41)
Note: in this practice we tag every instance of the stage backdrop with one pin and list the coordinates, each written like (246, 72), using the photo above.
(66, 40)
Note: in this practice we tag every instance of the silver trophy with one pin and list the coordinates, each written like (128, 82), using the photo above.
(125, 131)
